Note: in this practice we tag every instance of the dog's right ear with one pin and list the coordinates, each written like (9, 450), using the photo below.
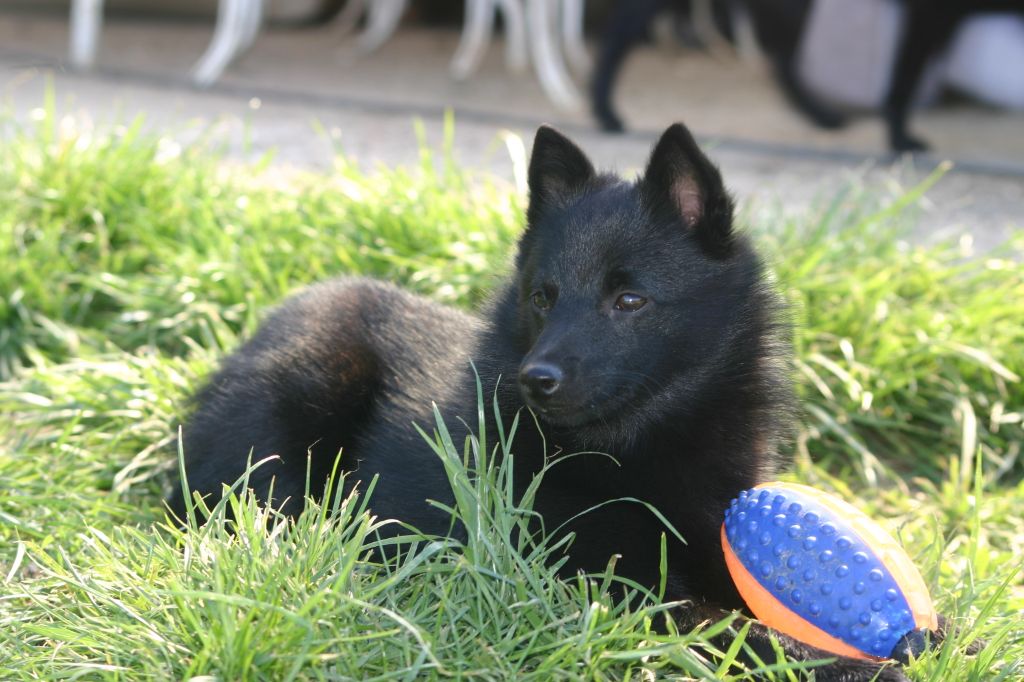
(682, 183)
(558, 169)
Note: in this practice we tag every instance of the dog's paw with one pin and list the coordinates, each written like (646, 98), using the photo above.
(907, 143)
(827, 119)
(975, 647)
(916, 642)
(851, 670)
(948, 629)
(608, 120)
(891, 673)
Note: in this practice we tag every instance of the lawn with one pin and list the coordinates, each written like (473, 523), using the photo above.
(131, 265)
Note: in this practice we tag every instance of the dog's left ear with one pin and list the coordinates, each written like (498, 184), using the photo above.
(683, 183)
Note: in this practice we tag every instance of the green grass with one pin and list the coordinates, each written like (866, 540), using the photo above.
(131, 266)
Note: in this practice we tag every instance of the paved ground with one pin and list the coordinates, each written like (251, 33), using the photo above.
(296, 80)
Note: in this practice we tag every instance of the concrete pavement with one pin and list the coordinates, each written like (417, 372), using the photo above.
(295, 80)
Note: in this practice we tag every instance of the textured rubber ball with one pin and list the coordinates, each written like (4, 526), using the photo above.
(869, 602)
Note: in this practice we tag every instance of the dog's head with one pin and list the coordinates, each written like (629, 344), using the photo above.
(631, 295)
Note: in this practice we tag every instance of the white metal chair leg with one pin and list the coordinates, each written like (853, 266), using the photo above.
(85, 23)
(253, 22)
(746, 39)
(350, 14)
(477, 29)
(381, 23)
(702, 15)
(572, 36)
(228, 38)
(547, 58)
(514, 15)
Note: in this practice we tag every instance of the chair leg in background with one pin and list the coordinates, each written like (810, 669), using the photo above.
(477, 28)
(514, 16)
(381, 22)
(572, 36)
(541, 17)
(229, 34)
(85, 24)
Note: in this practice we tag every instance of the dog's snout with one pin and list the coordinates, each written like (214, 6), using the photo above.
(541, 379)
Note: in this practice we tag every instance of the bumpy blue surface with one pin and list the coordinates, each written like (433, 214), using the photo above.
(817, 567)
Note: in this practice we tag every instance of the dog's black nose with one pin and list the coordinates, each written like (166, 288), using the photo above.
(541, 379)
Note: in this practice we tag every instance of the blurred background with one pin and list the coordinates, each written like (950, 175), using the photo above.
(793, 96)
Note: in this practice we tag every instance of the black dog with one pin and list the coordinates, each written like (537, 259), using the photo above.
(637, 323)
(778, 25)
(928, 27)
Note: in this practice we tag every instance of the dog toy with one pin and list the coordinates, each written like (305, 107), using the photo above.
(815, 568)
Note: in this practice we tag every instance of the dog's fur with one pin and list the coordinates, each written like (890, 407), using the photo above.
(637, 323)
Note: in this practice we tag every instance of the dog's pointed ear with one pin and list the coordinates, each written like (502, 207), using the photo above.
(683, 183)
(558, 169)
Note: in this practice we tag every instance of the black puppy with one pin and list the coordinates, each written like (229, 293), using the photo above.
(637, 323)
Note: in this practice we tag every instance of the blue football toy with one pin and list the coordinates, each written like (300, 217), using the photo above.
(810, 565)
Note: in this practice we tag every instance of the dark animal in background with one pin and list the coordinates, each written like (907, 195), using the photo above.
(929, 26)
(778, 25)
(637, 322)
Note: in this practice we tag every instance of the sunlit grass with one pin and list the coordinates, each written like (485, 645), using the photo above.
(132, 265)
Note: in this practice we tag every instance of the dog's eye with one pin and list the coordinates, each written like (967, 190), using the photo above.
(630, 303)
(540, 301)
